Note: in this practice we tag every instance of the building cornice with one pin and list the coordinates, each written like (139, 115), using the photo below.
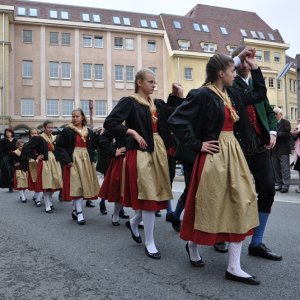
(266, 44)
(6, 8)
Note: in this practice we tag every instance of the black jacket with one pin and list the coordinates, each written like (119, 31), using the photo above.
(204, 110)
(34, 147)
(20, 162)
(283, 145)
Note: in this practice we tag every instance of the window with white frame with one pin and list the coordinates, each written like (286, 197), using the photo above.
(27, 68)
(27, 36)
(117, 20)
(271, 36)
(100, 108)
(85, 17)
(261, 35)
(87, 41)
(129, 73)
(53, 70)
(21, 11)
(119, 73)
(278, 84)
(126, 21)
(254, 34)
(98, 41)
(267, 56)
(151, 46)
(209, 47)
(67, 105)
(223, 30)
(96, 18)
(33, 12)
(295, 86)
(98, 69)
(153, 24)
(52, 108)
(53, 14)
(271, 82)
(27, 107)
(184, 44)
(87, 71)
(64, 15)
(205, 28)
(188, 73)
(129, 44)
(53, 38)
(196, 27)
(277, 57)
(85, 106)
(114, 103)
(243, 32)
(118, 43)
(177, 24)
(65, 70)
(258, 55)
(291, 85)
(65, 39)
(144, 23)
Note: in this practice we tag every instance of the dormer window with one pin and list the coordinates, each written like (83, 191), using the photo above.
(85, 17)
(177, 24)
(261, 35)
(21, 11)
(153, 24)
(208, 47)
(254, 34)
(117, 20)
(196, 27)
(271, 36)
(144, 23)
(205, 28)
(32, 12)
(64, 15)
(126, 21)
(96, 18)
(243, 32)
(223, 30)
(53, 14)
(184, 44)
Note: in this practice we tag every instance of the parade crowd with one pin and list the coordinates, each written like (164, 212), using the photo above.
(233, 145)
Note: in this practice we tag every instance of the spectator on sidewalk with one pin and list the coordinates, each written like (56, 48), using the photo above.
(296, 163)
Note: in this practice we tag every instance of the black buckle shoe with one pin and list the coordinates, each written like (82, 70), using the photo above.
(169, 217)
(103, 208)
(89, 203)
(137, 239)
(82, 222)
(158, 213)
(155, 255)
(115, 223)
(176, 224)
(262, 251)
(74, 215)
(123, 214)
(198, 263)
(248, 280)
(221, 247)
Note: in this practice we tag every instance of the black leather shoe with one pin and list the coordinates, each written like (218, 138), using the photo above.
(82, 222)
(262, 251)
(284, 190)
(169, 217)
(11, 190)
(123, 214)
(248, 280)
(176, 224)
(89, 203)
(103, 208)
(115, 223)
(278, 188)
(141, 226)
(74, 215)
(198, 263)
(49, 211)
(221, 247)
(158, 213)
(137, 239)
(155, 255)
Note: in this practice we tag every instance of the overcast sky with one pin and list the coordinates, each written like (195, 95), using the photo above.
(281, 15)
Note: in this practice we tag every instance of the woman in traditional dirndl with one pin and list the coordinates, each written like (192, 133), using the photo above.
(75, 149)
(221, 203)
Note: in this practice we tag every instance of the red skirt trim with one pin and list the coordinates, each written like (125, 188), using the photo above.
(66, 187)
(111, 187)
(188, 232)
(31, 184)
(131, 189)
(16, 184)
(39, 180)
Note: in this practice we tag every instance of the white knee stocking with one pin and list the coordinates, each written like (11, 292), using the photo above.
(149, 219)
(194, 252)
(134, 222)
(47, 201)
(22, 195)
(117, 208)
(78, 205)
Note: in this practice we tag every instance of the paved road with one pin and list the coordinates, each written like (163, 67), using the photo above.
(49, 256)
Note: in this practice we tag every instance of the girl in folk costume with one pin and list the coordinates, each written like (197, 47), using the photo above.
(20, 163)
(221, 203)
(146, 184)
(49, 177)
(75, 149)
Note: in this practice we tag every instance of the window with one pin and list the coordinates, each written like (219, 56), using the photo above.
(267, 56)
(205, 28)
(85, 106)
(66, 107)
(118, 43)
(291, 85)
(261, 35)
(144, 23)
(258, 55)
(295, 86)
(177, 24)
(129, 44)
(21, 11)
(98, 42)
(100, 108)
(87, 41)
(271, 82)
(254, 34)
(271, 36)
(292, 113)
(53, 70)
(118, 73)
(208, 47)
(279, 84)
(153, 24)
(129, 73)
(243, 32)
(154, 70)
(53, 14)
(27, 107)
(64, 15)
(126, 21)
(87, 71)
(151, 46)
(196, 27)
(277, 57)
(33, 12)
(85, 17)
(96, 18)
(188, 73)
(184, 45)
(65, 70)
(223, 30)
(98, 72)
(230, 48)
(114, 103)
(53, 38)
(27, 68)
(27, 36)
(117, 20)
(52, 108)
(65, 39)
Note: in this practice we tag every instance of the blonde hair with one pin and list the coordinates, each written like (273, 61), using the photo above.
(19, 142)
(140, 75)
